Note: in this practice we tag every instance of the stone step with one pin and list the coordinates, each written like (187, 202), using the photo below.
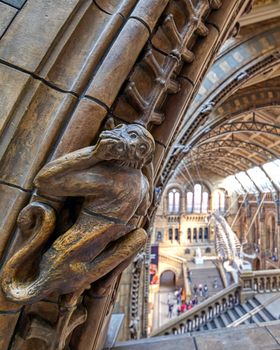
(255, 318)
(264, 313)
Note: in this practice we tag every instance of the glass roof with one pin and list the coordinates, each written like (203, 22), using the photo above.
(273, 171)
(260, 179)
(231, 184)
(263, 178)
(246, 182)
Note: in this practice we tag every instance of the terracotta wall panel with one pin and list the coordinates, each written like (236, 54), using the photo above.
(203, 50)
(163, 133)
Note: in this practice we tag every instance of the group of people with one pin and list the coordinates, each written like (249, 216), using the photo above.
(201, 290)
(181, 306)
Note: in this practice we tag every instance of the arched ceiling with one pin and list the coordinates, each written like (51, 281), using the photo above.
(234, 121)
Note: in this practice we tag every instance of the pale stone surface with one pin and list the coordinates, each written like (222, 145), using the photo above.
(11, 201)
(86, 121)
(112, 6)
(37, 131)
(16, 3)
(159, 343)
(149, 11)
(241, 338)
(118, 62)
(83, 50)
(33, 31)
(6, 15)
(12, 83)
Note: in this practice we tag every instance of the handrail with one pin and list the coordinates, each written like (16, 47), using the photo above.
(260, 273)
(195, 310)
(251, 282)
(253, 312)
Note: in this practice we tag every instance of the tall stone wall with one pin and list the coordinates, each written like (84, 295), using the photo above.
(66, 68)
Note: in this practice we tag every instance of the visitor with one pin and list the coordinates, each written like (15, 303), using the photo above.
(168, 298)
(183, 307)
(170, 310)
(215, 283)
(189, 274)
(205, 291)
(195, 289)
(179, 296)
(178, 310)
(200, 289)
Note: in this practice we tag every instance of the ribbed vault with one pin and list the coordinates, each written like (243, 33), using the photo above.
(234, 122)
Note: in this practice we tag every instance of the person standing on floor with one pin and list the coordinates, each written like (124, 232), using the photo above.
(205, 291)
(170, 310)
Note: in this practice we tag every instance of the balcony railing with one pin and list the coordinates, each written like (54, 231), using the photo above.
(195, 318)
(250, 283)
(264, 281)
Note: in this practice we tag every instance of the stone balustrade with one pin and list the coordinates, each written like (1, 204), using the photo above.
(264, 281)
(250, 283)
(195, 318)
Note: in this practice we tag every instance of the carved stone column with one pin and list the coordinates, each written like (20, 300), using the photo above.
(70, 68)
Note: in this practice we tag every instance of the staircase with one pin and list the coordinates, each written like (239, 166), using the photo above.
(250, 312)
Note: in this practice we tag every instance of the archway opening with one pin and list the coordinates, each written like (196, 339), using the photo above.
(168, 279)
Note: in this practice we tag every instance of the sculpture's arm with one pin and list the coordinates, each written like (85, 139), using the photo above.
(80, 159)
(73, 184)
(67, 175)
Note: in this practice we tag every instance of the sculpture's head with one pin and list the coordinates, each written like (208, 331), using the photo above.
(131, 144)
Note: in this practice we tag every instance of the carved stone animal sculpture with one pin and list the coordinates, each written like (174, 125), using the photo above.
(110, 177)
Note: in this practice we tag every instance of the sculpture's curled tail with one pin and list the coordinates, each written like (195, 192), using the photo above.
(37, 220)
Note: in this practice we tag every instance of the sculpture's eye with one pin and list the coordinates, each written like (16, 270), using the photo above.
(120, 147)
(143, 148)
(119, 126)
(133, 135)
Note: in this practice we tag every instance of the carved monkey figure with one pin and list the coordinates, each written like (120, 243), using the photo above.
(113, 178)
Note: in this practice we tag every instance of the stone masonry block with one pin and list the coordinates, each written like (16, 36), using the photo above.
(6, 15)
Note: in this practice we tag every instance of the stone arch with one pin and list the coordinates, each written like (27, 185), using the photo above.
(167, 278)
(219, 84)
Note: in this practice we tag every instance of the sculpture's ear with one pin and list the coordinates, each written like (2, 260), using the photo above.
(110, 124)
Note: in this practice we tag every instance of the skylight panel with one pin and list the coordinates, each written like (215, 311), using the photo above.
(273, 171)
(232, 185)
(246, 182)
(260, 179)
